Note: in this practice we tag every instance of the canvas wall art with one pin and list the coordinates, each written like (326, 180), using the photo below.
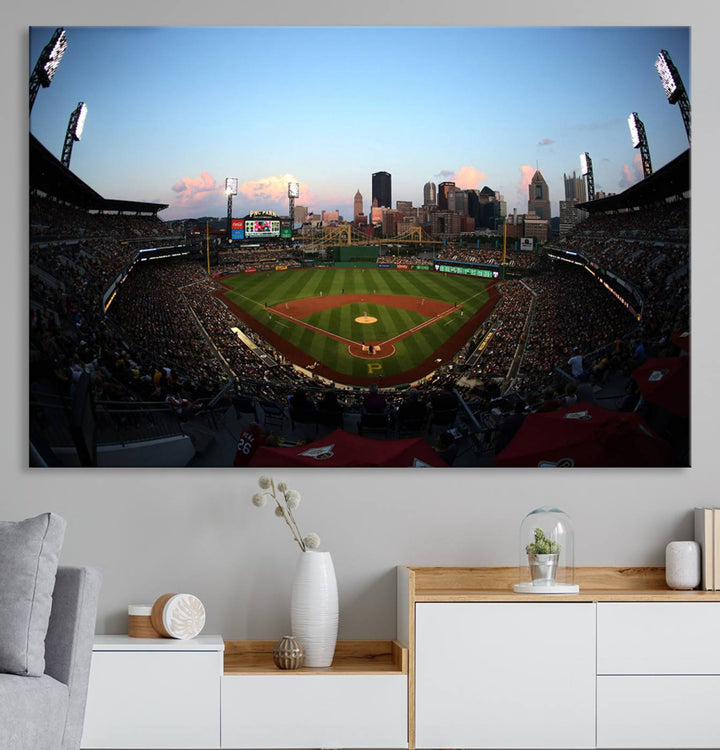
(343, 246)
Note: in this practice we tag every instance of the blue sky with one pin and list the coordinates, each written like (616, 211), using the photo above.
(172, 112)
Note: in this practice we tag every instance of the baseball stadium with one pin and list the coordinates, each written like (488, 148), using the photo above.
(255, 342)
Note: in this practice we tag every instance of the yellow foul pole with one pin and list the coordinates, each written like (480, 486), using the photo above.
(504, 245)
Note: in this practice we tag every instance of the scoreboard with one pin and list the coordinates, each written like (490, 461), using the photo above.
(262, 228)
(255, 228)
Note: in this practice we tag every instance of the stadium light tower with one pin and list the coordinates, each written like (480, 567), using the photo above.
(293, 192)
(587, 170)
(73, 132)
(47, 63)
(673, 85)
(231, 185)
(639, 140)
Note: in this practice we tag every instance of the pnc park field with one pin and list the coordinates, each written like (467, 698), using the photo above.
(361, 325)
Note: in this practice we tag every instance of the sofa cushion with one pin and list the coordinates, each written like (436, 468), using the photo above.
(32, 712)
(29, 553)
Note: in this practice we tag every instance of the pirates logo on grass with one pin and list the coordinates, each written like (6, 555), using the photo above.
(321, 453)
(374, 368)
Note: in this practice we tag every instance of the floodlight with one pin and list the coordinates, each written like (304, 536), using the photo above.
(634, 132)
(231, 185)
(51, 56)
(639, 140)
(293, 189)
(73, 132)
(673, 85)
(80, 122)
(584, 163)
(668, 75)
(47, 64)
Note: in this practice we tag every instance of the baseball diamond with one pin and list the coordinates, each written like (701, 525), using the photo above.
(361, 325)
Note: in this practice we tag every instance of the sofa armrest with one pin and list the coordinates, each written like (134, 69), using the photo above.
(69, 641)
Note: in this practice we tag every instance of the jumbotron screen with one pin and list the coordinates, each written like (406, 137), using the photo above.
(255, 228)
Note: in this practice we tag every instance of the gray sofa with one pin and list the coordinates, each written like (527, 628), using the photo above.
(46, 712)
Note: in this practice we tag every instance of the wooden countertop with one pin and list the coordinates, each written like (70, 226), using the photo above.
(351, 657)
(630, 584)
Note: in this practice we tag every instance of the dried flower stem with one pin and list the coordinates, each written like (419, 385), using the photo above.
(287, 500)
(288, 516)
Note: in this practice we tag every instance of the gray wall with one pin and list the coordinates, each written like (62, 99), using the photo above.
(195, 530)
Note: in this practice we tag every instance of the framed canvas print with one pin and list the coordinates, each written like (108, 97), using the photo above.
(340, 246)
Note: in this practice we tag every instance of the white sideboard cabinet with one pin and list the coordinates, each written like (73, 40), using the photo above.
(154, 693)
(625, 663)
(206, 693)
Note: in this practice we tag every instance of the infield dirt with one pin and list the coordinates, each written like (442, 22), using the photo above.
(302, 308)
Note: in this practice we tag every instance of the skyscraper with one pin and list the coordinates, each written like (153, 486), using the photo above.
(446, 196)
(539, 196)
(357, 205)
(575, 188)
(381, 189)
(429, 194)
(461, 202)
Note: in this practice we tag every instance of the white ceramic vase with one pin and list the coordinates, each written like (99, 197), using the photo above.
(314, 607)
(682, 565)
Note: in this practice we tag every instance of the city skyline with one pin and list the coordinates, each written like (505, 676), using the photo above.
(169, 122)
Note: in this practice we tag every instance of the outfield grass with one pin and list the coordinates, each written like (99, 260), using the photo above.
(252, 292)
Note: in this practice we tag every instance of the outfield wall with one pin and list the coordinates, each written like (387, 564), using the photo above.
(352, 253)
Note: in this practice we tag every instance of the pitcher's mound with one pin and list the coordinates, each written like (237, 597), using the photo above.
(366, 319)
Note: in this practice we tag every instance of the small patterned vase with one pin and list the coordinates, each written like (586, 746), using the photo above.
(288, 653)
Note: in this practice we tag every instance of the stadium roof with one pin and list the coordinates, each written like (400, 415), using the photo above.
(672, 179)
(50, 176)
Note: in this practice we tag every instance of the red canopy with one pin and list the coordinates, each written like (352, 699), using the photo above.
(681, 339)
(585, 435)
(665, 382)
(341, 448)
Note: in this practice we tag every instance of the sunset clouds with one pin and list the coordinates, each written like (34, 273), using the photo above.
(197, 192)
(521, 189)
(206, 194)
(631, 173)
(271, 189)
(469, 178)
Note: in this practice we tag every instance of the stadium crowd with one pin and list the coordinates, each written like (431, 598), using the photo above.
(264, 259)
(410, 260)
(513, 258)
(50, 219)
(167, 337)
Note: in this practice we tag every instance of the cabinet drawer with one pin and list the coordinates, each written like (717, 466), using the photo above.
(301, 711)
(658, 638)
(661, 711)
(153, 700)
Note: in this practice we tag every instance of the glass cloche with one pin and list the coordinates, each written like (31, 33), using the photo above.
(546, 553)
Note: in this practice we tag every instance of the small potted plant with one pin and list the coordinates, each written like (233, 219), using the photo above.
(543, 555)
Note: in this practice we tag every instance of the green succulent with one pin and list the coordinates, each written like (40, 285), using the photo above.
(542, 545)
